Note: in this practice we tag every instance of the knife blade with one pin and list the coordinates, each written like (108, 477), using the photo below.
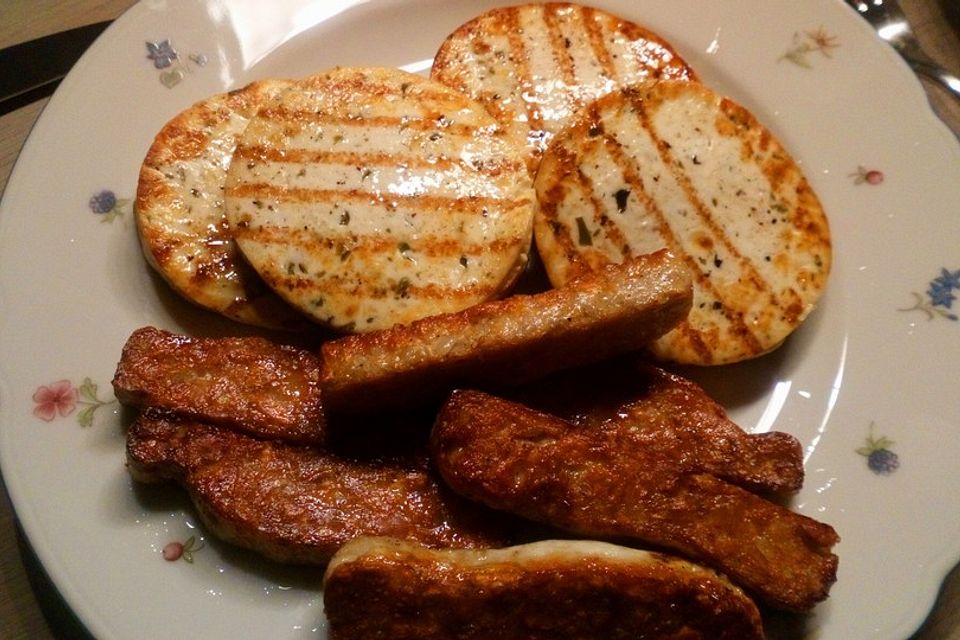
(32, 70)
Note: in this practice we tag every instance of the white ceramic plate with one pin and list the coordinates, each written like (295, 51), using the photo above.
(878, 359)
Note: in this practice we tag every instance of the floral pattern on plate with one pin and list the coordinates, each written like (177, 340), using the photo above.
(881, 459)
(106, 204)
(807, 43)
(177, 550)
(172, 67)
(940, 295)
(863, 175)
(62, 398)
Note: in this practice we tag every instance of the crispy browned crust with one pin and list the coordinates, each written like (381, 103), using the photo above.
(299, 504)
(600, 482)
(617, 309)
(647, 404)
(249, 383)
(582, 590)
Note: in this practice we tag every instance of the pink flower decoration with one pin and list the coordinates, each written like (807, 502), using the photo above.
(58, 398)
(870, 176)
(173, 551)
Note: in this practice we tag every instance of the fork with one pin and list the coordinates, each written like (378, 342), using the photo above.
(891, 24)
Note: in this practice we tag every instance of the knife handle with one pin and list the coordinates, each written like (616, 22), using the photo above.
(31, 70)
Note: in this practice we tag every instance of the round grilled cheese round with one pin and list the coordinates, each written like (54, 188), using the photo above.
(677, 166)
(535, 65)
(180, 214)
(368, 197)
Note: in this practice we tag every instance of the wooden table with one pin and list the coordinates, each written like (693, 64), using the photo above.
(29, 606)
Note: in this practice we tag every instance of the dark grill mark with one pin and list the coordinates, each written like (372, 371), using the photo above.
(421, 202)
(489, 167)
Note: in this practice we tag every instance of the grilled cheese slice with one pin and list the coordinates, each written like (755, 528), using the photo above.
(677, 166)
(535, 65)
(180, 214)
(369, 197)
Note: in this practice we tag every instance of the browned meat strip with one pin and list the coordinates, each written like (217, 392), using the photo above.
(249, 384)
(655, 408)
(299, 504)
(577, 590)
(617, 309)
(603, 482)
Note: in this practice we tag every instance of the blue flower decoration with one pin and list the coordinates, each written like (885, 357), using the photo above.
(107, 205)
(103, 201)
(880, 458)
(941, 294)
(161, 53)
(948, 279)
(942, 291)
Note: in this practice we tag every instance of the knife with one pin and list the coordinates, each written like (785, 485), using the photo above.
(31, 70)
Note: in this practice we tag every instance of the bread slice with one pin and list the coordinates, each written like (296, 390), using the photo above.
(535, 65)
(617, 309)
(180, 214)
(368, 197)
(388, 588)
(676, 165)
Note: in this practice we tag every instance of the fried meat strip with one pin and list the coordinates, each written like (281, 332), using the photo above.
(617, 309)
(299, 504)
(584, 590)
(656, 408)
(608, 483)
(247, 383)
